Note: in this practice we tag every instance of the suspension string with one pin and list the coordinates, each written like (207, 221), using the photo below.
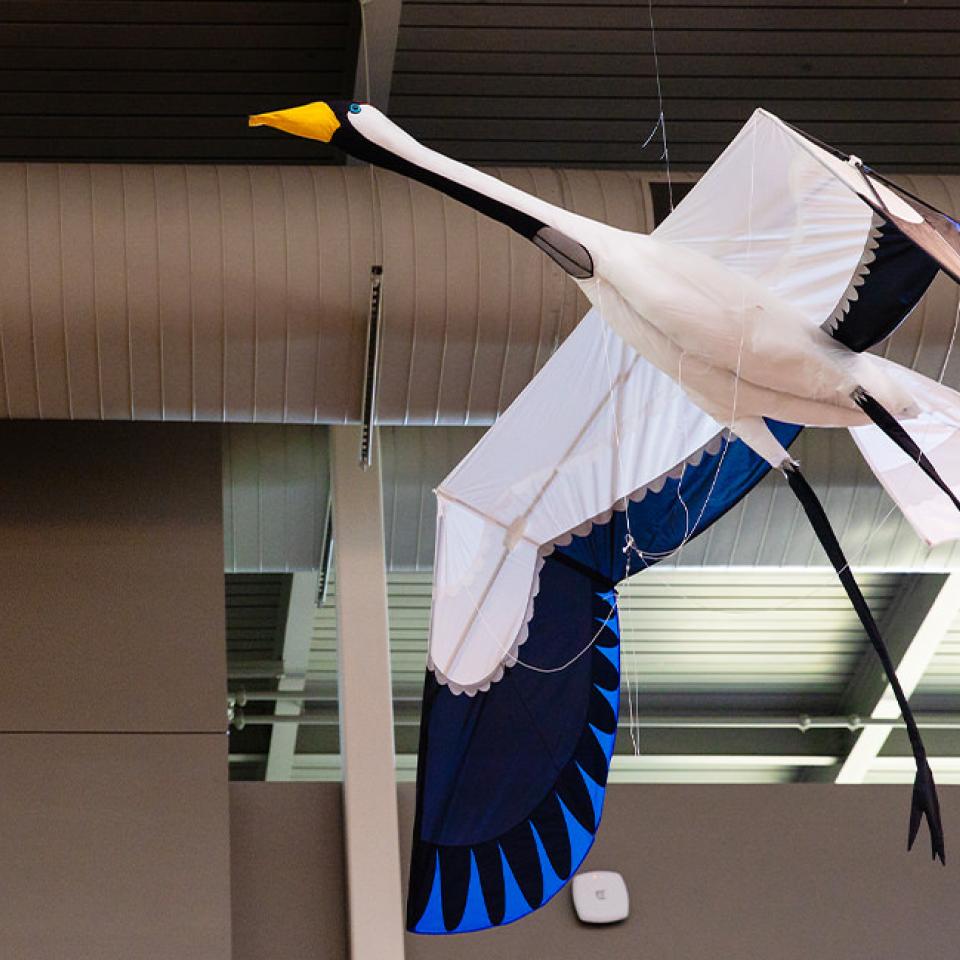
(511, 658)
(375, 205)
(629, 672)
(953, 338)
(662, 119)
(688, 532)
(366, 49)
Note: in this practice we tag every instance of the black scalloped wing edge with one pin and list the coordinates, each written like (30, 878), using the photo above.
(460, 889)
(895, 274)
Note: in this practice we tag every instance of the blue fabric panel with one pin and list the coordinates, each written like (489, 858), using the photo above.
(508, 852)
(597, 793)
(528, 721)
(517, 906)
(552, 884)
(605, 740)
(475, 913)
(897, 280)
(432, 917)
(659, 523)
(580, 840)
(492, 764)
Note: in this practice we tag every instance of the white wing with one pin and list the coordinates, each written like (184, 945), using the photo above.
(597, 424)
(777, 207)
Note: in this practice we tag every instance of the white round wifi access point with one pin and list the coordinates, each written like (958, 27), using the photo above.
(600, 896)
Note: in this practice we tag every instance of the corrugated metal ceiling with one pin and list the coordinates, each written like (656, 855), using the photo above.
(256, 613)
(167, 80)
(692, 640)
(241, 293)
(735, 643)
(568, 84)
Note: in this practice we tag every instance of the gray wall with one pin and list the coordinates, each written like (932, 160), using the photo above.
(113, 838)
(719, 872)
(286, 844)
(714, 872)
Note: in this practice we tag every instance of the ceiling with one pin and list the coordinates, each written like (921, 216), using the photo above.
(547, 83)
(740, 657)
(567, 84)
(276, 491)
(167, 81)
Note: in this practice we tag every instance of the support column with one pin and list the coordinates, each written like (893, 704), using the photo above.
(371, 836)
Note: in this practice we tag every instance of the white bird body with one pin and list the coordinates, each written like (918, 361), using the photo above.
(740, 351)
(736, 348)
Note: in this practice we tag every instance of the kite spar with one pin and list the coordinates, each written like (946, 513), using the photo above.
(711, 342)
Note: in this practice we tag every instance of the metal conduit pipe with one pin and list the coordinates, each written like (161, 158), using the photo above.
(801, 722)
(138, 291)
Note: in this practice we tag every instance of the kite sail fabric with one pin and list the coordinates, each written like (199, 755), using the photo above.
(511, 776)
(595, 426)
(603, 449)
(855, 253)
(745, 314)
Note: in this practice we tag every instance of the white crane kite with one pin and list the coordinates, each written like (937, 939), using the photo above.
(742, 318)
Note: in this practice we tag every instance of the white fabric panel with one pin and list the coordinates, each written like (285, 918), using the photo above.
(929, 511)
(773, 208)
(554, 470)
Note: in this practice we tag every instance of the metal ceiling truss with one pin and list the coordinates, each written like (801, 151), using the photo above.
(689, 741)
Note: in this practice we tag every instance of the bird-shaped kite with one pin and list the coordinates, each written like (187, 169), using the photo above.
(710, 343)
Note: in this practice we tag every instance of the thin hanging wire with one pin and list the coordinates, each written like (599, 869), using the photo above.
(953, 340)
(375, 205)
(630, 547)
(662, 119)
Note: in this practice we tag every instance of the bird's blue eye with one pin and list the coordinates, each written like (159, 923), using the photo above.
(354, 107)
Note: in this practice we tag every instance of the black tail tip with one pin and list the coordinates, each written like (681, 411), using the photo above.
(926, 804)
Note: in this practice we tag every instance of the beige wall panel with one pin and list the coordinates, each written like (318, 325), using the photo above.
(114, 848)
(111, 555)
(287, 871)
(784, 871)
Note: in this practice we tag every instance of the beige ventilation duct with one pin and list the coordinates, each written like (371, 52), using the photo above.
(240, 293)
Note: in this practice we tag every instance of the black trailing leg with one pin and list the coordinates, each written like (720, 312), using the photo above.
(889, 424)
(925, 802)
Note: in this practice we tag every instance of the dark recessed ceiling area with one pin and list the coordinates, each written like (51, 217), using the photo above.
(170, 80)
(573, 84)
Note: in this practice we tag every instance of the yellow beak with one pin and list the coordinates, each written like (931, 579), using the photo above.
(313, 120)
